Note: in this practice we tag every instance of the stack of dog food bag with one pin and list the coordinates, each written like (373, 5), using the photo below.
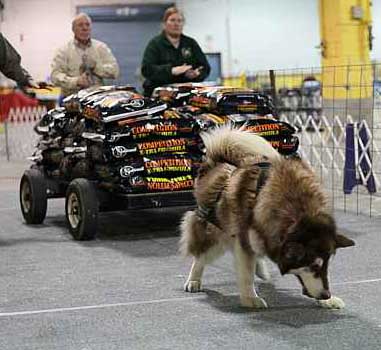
(61, 150)
(244, 108)
(132, 144)
(125, 142)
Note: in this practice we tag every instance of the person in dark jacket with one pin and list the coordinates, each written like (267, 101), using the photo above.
(172, 57)
(10, 64)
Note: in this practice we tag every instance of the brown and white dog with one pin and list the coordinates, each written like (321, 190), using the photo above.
(278, 211)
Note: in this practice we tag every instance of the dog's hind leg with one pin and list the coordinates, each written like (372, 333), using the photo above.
(245, 266)
(193, 283)
(200, 241)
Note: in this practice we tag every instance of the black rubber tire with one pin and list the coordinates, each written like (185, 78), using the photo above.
(33, 197)
(81, 209)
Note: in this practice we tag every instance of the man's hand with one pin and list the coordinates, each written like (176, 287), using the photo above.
(193, 73)
(178, 70)
(39, 85)
(33, 85)
(83, 81)
(44, 85)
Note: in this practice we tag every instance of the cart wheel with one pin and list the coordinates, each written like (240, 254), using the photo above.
(81, 208)
(33, 197)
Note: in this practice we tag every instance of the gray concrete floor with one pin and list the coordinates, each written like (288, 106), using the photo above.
(124, 290)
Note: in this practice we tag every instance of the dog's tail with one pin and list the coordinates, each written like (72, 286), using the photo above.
(226, 144)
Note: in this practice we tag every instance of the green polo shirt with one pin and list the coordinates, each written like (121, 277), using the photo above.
(160, 56)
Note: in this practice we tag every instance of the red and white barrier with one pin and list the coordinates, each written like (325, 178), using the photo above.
(26, 114)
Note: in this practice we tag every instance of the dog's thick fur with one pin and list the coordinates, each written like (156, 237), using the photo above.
(286, 220)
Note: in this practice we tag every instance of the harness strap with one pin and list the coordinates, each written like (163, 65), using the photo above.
(263, 174)
(210, 213)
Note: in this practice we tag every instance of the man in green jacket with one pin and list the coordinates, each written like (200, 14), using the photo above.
(172, 57)
(10, 64)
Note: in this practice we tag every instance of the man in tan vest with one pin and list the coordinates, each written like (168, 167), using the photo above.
(83, 61)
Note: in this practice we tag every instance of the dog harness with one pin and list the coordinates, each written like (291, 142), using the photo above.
(209, 214)
(263, 174)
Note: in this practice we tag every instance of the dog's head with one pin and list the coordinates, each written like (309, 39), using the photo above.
(307, 250)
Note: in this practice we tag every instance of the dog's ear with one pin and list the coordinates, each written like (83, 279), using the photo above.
(294, 251)
(343, 242)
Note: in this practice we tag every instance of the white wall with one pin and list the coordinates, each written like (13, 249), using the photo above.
(263, 34)
(36, 28)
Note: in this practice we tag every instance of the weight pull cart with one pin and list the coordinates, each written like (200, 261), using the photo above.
(84, 200)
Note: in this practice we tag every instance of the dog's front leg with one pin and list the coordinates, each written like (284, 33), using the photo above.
(245, 267)
(332, 303)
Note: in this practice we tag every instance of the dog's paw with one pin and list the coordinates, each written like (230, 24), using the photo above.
(192, 286)
(254, 302)
(332, 303)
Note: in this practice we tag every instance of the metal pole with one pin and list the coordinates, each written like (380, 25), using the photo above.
(6, 138)
(273, 86)
(228, 39)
